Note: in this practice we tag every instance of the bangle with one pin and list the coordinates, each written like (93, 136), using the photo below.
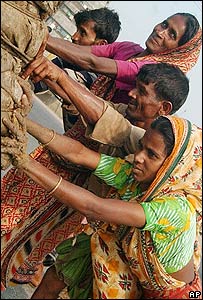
(57, 185)
(53, 137)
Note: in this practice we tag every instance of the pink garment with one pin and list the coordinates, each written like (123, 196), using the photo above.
(126, 71)
(121, 52)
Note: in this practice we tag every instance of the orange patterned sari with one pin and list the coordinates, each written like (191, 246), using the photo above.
(185, 57)
(118, 262)
(25, 236)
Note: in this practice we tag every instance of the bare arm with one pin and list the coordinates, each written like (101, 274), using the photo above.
(108, 210)
(90, 106)
(81, 56)
(70, 149)
(54, 87)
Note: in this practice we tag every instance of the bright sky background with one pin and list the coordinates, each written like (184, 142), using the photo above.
(138, 18)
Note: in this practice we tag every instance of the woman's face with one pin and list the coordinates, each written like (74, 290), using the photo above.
(166, 35)
(149, 157)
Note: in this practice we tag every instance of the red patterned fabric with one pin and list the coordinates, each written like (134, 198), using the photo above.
(189, 291)
(34, 223)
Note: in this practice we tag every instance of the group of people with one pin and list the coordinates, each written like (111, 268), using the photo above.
(121, 188)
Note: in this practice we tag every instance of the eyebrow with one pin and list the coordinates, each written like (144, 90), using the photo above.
(140, 142)
(173, 31)
(148, 149)
(142, 89)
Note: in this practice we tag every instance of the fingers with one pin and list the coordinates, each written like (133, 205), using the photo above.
(26, 105)
(26, 89)
(18, 154)
(42, 68)
(44, 43)
(18, 134)
(7, 123)
(21, 120)
(7, 143)
(32, 66)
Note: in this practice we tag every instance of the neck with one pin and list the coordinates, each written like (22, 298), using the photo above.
(144, 186)
(142, 124)
(144, 53)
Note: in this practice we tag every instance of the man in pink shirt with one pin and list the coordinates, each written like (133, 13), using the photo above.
(176, 40)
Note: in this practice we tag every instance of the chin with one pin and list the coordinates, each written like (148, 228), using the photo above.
(130, 114)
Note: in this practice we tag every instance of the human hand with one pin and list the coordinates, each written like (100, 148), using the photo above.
(42, 68)
(44, 43)
(26, 102)
(16, 144)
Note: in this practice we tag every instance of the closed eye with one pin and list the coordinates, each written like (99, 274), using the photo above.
(164, 24)
(140, 146)
(82, 32)
(173, 34)
(151, 154)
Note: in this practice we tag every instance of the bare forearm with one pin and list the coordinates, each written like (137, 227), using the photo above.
(69, 148)
(93, 207)
(70, 52)
(67, 193)
(60, 144)
(59, 47)
(90, 106)
(81, 56)
(55, 87)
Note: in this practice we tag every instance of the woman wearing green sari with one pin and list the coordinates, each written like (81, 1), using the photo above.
(144, 242)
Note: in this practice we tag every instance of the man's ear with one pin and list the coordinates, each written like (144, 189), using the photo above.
(166, 108)
(101, 42)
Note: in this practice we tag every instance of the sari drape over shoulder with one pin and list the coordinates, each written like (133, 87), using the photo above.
(26, 237)
(134, 256)
(185, 57)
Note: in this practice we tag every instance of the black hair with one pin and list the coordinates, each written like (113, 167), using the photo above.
(170, 83)
(107, 22)
(164, 127)
(192, 26)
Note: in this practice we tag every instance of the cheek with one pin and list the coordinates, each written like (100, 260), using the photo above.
(149, 111)
(171, 45)
(85, 42)
(152, 167)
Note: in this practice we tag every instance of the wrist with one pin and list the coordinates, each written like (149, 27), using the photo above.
(22, 162)
(52, 138)
(60, 77)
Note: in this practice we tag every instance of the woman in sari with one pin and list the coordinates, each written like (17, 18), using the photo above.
(176, 40)
(26, 237)
(150, 229)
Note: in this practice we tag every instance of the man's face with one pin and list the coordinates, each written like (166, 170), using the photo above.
(166, 35)
(143, 104)
(149, 157)
(85, 34)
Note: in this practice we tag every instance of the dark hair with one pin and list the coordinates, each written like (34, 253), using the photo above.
(107, 22)
(164, 127)
(192, 26)
(170, 83)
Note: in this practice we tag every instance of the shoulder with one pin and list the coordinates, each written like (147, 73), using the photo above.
(127, 45)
